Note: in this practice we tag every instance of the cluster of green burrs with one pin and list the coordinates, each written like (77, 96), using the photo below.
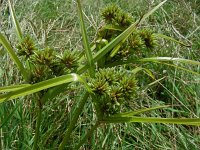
(116, 21)
(116, 16)
(46, 63)
(113, 88)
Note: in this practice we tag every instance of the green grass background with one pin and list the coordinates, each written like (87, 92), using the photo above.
(56, 24)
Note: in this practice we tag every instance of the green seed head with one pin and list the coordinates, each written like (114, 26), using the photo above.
(99, 86)
(40, 73)
(69, 59)
(112, 92)
(113, 14)
(148, 38)
(135, 41)
(26, 47)
(44, 57)
(128, 85)
(109, 13)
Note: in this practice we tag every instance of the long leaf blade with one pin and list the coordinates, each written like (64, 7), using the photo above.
(88, 51)
(13, 56)
(164, 59)
(133, 113)
(156, 59)
(13, 87)
(14, 19)
(183, 121)
(181, 68)
(160, 60)
(147, 71)
(152, 11)
(10, 115)
(171, 39)
(43, 85)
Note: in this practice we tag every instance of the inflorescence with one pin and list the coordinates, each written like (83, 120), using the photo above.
(113, 88)
(46, 63)
(116, 21)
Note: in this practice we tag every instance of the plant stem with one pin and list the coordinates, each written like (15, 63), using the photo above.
(89, 134)
(72, 124)
(97, 107)
(38, 123)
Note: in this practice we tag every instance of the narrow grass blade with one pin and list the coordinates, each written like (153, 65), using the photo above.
(110, 46)
(181, 68)
(152, 11)
(12, 54)
(73, 122)
(157, 59)
(53, 92)
(13, 87)
(43, 85)
(171, 39)
(182, 60)
(136, 70)
(115, 50)
(113, 27)
(114, 42)
(14, 19)
(133, 113)
(88, 135)
(183, 121)
(9, 116)
(160, 60)
(88, 51)
(154, 82)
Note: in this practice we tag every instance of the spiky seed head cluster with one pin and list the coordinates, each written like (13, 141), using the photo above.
(99, 86)
(116, 21)
(149, 38)
(109, 13)
(40, 73)
(138, 41)
(47, 63)
(115, 15)
(113, 88)
(124, 19)
(107, 74)
(44, 57)
(26, 47)
(103, 79)
(135, 41)
(128, 83)
(69, 59)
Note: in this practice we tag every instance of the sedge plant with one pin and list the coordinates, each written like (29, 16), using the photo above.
(103, 72)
